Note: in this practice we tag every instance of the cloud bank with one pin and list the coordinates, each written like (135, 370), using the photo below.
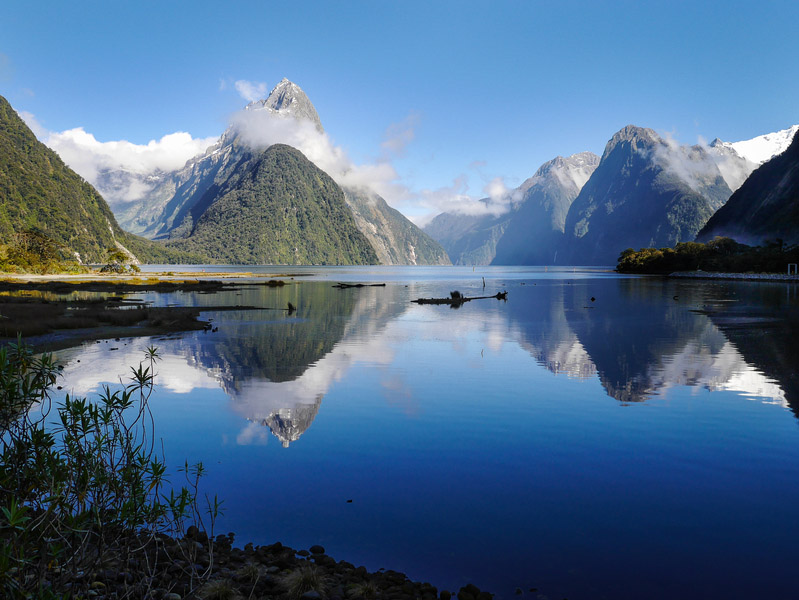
(261, 128)
(130, 163)
(250, 90)
(125, 172)
(701, 164)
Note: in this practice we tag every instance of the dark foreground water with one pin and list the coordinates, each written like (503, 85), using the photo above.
(595, 436)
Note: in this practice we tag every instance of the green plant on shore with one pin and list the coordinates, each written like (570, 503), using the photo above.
(118, 261)
(305, 579)
(366, 590)
(219, 589)
(82, 488)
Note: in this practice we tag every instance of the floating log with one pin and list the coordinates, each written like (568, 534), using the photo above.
(344, 286)
(456, 299)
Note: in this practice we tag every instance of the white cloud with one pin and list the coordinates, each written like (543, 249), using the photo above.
(90, 157)
(37, 128)
(169, 153)
(251, 90)
(262, 127)
(698, 166)
(398, 135)
(497, 199)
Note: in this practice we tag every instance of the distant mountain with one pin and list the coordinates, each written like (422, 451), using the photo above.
(177, 200)
(37, 190)
(275, 207)
(765, 207)
(737, 160)
(538, 225)
(762, 148)
(396, 240)
(646, 192)
(530, 231)
(468, 239)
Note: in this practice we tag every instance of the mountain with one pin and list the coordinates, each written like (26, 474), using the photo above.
(468, 239)
(538, 225)
(396, 240)
(645, 192)
(275, 207)
(287, 100)
(177, 200)
(765, 207)
(173, 195)
(529, 232)
(37, 190)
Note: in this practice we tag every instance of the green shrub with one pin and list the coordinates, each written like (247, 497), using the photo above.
(82, 487)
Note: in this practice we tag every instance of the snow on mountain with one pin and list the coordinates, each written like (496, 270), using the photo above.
(737, 160)
(288, 100)
(762, 148)
(765, 147)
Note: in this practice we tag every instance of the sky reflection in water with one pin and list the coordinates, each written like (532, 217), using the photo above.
(640, 444)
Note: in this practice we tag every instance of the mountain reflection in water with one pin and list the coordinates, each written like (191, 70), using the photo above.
(643, 336)
(638, 336)
(527, 443)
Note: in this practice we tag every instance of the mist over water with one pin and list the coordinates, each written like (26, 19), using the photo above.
(595, 436)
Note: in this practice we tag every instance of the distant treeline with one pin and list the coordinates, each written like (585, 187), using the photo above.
(721, 255)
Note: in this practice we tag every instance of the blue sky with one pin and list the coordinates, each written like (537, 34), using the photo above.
(477, 90)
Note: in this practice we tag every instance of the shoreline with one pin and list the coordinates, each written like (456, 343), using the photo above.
(734, 276)
(197, 566)
(42, 311)
(143, 277)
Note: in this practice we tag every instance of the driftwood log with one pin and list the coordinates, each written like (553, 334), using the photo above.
(456, 299)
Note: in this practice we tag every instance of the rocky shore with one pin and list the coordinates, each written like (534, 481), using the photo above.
(745, 276)
(197, 567)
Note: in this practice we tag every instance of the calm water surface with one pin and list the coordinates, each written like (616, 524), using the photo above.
(595, 436)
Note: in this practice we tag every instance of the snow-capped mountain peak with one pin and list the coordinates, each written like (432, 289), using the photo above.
(288, 100)
(762, 148)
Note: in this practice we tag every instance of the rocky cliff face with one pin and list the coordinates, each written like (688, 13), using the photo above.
(395, 239)
(287, 100)
(645, 192)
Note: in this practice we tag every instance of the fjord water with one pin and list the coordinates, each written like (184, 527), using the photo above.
(595, 436)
